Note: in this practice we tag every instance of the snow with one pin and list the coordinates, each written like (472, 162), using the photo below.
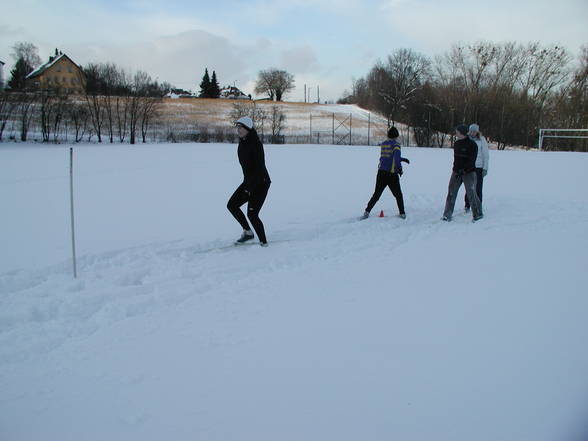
(389, 329)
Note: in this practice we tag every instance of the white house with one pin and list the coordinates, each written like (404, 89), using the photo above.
(232, 92)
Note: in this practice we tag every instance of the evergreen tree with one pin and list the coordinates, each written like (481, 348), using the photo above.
(18, 74)
(214, 87)
(205, 85)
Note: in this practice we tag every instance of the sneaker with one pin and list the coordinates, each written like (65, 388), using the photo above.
(446, 218)
(247, 235)
(402, 215)
(365, 215)
(477, 218)
(263, 244)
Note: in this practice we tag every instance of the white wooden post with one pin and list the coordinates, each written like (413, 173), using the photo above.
(71, 205)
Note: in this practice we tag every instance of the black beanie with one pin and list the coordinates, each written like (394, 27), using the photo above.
(463, 129)
(393, 132)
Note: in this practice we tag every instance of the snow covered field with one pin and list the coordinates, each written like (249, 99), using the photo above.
(414, 330)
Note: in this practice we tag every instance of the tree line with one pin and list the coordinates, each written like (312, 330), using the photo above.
(116, 105)
(510, 89)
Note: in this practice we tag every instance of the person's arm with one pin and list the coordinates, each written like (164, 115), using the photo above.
(486, 155)
(397, 161)
(471, 160)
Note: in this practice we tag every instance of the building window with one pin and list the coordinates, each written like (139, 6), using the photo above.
(69, 69)
(58, 68)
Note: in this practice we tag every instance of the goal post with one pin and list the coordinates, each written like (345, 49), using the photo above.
(561, 133)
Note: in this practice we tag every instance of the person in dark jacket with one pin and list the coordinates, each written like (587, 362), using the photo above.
(256, 182)
(465, 152)
(389, 172)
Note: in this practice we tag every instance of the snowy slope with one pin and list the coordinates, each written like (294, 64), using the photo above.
(340, 330)
(217, 113)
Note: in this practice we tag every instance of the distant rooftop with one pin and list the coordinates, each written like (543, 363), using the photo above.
(43, 67)
(52, 60)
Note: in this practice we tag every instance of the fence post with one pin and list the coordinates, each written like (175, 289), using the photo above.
(350, 121)
(71, 205)
(333, 142)
(369, 126)
(540, 143)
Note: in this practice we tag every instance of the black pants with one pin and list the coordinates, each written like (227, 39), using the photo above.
(386, 179)
(255, 200)
(479, 185)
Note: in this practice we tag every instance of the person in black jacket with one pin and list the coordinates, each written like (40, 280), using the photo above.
(465, 152)
(256, 182)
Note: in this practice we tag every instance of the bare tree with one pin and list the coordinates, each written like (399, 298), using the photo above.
(26, 103)
(122, 117)
(94, 99)
(8, 105)
(78, 115)
(546, 69)
(46, 107)
(28, 52)
(52, 107)
(275, 83)
(277, 119)
(403, 74)
(149, 111)
(139, 87)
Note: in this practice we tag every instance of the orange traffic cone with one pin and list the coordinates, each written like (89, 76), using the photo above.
(381, 213)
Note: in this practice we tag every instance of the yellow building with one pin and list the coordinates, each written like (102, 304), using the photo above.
(61, 73)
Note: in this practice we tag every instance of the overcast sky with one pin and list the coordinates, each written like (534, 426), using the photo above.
(323, 42)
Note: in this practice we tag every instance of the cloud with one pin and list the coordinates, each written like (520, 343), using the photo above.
(435, 26)
(299, 60)
(181, 59)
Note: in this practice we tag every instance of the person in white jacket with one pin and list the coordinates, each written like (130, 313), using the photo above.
(481, 161)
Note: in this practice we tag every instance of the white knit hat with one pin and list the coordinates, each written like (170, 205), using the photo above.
(246, 122)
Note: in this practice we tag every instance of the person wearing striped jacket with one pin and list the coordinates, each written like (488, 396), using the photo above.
(389, 172)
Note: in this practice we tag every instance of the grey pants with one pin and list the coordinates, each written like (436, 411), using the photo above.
(469, 181)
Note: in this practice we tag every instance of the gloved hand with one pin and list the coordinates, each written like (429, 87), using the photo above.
(485, 172)
(399, 171)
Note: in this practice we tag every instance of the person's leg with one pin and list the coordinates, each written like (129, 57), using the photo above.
(452, 189)
(469, 181)
(479, 183)
(394, 184)
(238, 198)
(256, 201)
(380, 186)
